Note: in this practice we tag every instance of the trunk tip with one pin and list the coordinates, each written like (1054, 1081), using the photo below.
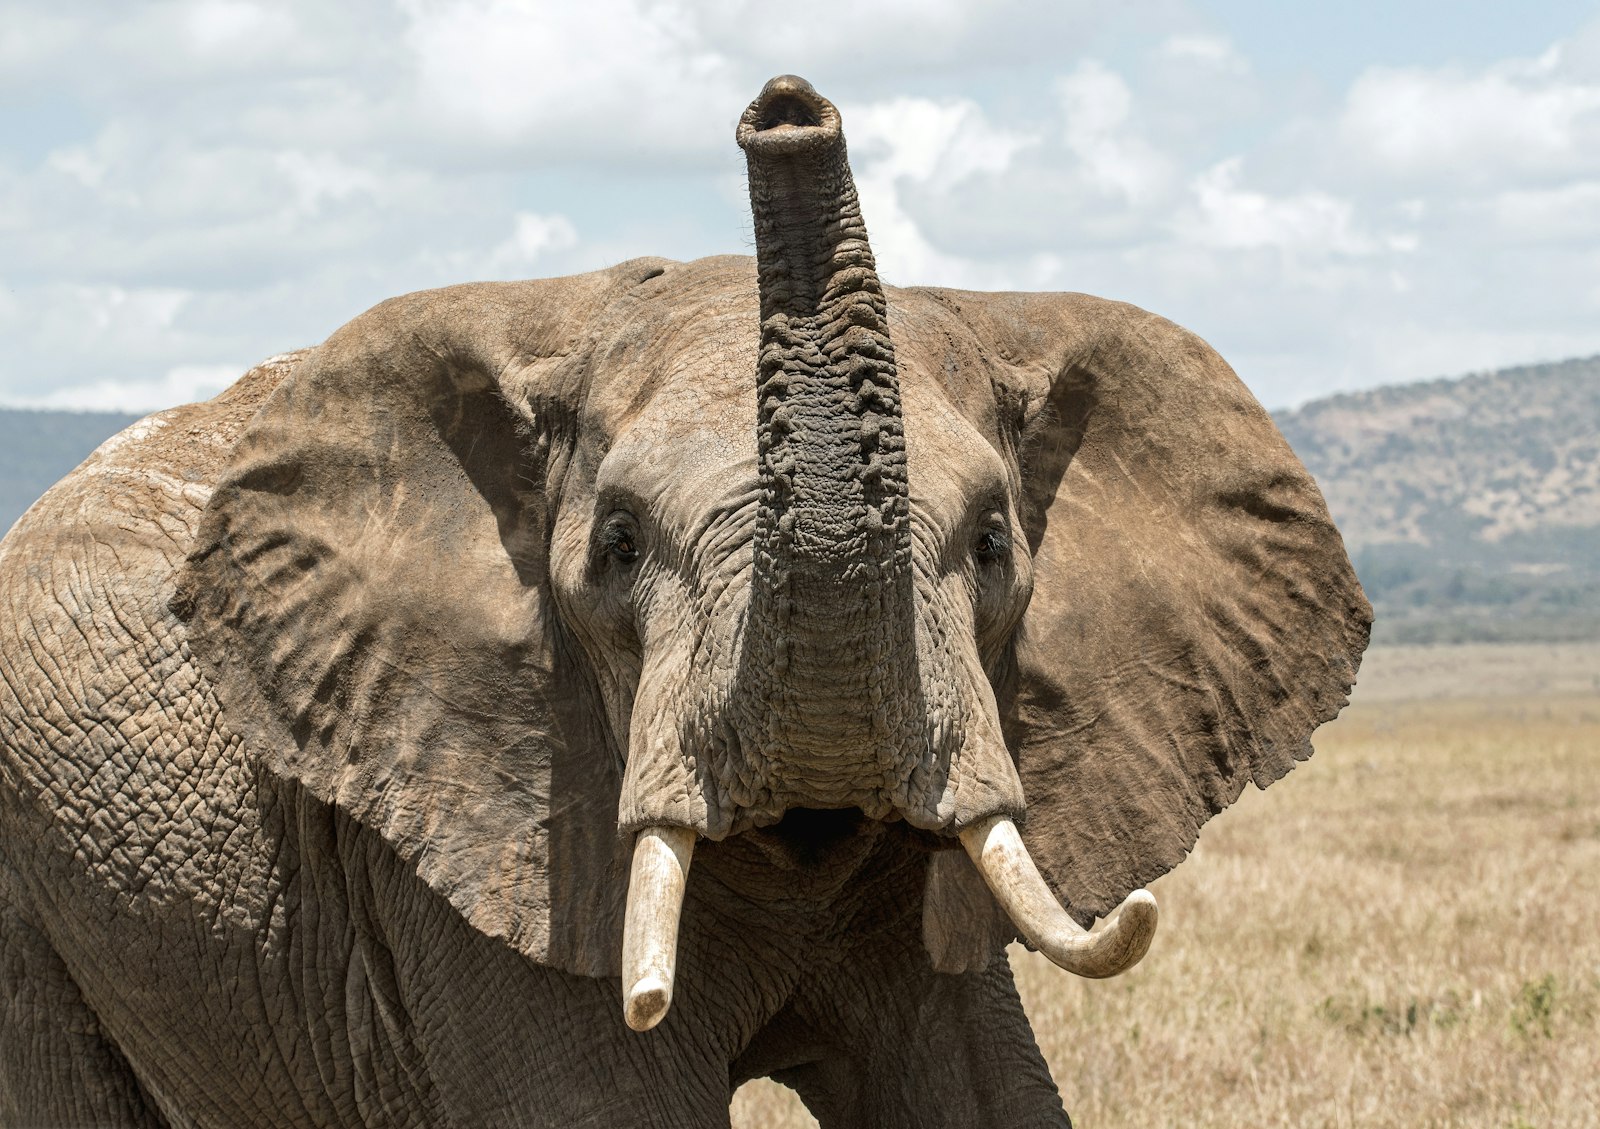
(647, 1003)
(787, 116)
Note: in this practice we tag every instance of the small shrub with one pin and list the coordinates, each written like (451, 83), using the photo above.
(1533, 1013)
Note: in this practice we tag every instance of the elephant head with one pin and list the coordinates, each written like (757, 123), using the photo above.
(537, 577)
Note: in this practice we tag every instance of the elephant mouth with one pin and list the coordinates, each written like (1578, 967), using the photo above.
(806, 837)
(660, 871)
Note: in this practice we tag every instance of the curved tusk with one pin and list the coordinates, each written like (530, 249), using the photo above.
(997, 851)
(650, 926)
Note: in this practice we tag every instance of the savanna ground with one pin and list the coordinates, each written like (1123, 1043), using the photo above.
(1403, 932)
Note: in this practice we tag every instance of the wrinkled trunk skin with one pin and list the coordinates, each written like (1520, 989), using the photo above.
(828, 686)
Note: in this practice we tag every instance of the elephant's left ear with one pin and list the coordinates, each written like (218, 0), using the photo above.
(1194, 616)
(371, 596)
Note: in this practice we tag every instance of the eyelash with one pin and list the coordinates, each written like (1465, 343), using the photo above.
(992, 545)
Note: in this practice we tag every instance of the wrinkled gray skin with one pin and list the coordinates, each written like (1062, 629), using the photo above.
(329, 707)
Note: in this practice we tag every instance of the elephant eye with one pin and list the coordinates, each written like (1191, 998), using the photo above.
(618, 539)
(992, 545)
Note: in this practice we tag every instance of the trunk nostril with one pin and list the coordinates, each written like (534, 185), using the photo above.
(787, 110)
(787, 117)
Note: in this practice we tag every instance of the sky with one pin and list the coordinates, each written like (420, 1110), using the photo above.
(1334, 195)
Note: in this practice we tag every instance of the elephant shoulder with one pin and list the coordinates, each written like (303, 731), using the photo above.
(114, 758)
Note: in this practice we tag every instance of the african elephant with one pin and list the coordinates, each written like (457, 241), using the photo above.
(360, 724)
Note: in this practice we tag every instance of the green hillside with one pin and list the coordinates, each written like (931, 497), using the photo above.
(1471, 506)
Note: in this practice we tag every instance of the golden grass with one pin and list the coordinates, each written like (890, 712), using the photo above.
(1404, 932)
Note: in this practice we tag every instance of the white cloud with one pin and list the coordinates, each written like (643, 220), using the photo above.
(182, 384)
(1098, 107)
(1213, 51)
(30, 39)
(516, 72)
(80, 163)
(113, 309)
(1570, 212)
(108, 53)
(318, 178)
(1512, 121)
(110, 321)
(647, 81)
(1228, 216)
(871, 47)
(536, 234)
(921, 139)
(814, 32)
(215, 27)
(533, 239)
(916, 141)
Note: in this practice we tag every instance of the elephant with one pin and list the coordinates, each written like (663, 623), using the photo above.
(558, 702)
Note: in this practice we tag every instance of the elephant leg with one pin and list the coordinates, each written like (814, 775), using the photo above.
(57, 1068)
(898, 1045)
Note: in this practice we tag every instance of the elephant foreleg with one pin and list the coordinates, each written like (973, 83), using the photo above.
(56, 1066)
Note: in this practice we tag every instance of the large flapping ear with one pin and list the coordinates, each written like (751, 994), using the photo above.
(1194, 616)
(370, 592)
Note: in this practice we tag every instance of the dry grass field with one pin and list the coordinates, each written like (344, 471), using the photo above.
(1404, 932)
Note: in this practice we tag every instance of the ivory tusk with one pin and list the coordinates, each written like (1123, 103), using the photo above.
(1000, 856)
(650, 926)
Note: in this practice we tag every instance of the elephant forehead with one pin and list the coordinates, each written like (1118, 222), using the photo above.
(690, 366)
(696, 427)
(665, 462)
(950, 465)
(941, 353)
(705, 389)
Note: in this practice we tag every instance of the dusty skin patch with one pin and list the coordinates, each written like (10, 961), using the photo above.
(1400, 936)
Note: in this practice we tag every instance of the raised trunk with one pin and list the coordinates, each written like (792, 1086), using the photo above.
(830, 654)
(827, 708)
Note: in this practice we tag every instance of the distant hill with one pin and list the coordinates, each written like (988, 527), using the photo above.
(1471, 506)
(38, 448)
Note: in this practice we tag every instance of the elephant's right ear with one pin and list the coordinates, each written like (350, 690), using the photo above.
(370, 593)
(1194, 615)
